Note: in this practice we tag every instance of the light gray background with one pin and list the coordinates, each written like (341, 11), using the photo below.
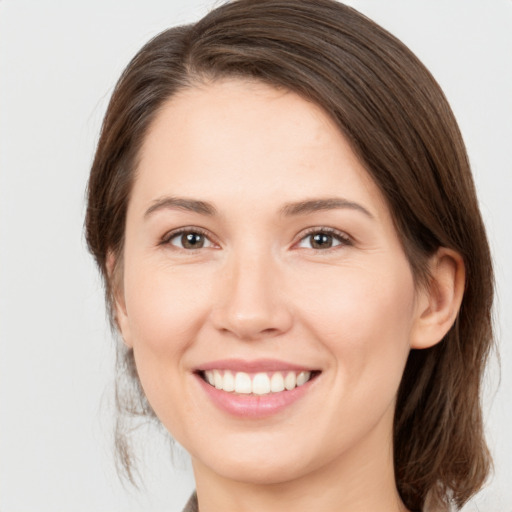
(58, 63)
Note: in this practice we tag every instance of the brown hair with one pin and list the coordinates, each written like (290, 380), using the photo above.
(399, 123)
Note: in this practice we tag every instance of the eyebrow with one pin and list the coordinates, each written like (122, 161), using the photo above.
(289, 209)
(181, 203)
(329, 203)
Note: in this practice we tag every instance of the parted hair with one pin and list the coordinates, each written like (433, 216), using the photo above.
(400, 125)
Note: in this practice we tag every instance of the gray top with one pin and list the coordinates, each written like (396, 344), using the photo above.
(192, 505)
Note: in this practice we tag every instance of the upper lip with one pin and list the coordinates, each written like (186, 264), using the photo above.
(253, 366)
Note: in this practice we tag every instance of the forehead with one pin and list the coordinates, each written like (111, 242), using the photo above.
(239, 111)
(235, 138)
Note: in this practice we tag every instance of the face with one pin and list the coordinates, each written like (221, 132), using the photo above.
(265, 293)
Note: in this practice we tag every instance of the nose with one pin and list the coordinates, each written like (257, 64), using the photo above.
(250, 302)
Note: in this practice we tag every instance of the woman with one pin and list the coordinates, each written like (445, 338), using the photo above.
(283, 212)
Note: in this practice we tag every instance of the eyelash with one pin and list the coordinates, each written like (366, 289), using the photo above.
(342, 238)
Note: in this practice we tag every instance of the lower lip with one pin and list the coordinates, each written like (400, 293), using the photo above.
(254, 406)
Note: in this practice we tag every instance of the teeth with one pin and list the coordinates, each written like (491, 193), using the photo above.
(277, 383)
(209, 378)
(290, 381)
(302, 378)
(259, 384)
(243, 383)
(217, 379)
(229, 381)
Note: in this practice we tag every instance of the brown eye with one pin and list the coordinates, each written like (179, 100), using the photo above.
(192, 241)
(189, 240)
(324, 239)
(321, 241)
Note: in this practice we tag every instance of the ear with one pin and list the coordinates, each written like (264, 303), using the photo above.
(115, 276)
(438, 302)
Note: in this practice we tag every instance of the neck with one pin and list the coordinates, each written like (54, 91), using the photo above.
(360, 479)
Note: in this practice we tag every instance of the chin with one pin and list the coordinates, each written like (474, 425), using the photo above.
(261, 466)
(260, 474)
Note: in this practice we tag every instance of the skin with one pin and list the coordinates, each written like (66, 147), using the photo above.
(259, 288)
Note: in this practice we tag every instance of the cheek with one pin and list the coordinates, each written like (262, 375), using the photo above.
(356, 298)
(363, 317)
(166, 307)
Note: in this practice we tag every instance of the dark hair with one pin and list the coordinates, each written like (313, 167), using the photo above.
(400, 125)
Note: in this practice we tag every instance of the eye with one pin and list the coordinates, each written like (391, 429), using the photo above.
(321, 239)
(188, 239)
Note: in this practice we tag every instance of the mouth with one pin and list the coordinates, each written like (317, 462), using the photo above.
(256, 389)
(256, 383)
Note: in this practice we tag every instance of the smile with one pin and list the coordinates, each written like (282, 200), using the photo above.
(261, 383)
(255, 389)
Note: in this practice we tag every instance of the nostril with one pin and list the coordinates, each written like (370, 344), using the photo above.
(270, 331)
